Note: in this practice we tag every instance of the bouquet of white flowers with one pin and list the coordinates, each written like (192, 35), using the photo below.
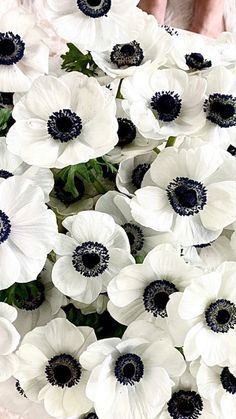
(117, 214)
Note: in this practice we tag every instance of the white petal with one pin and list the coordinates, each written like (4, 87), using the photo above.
(9, 337)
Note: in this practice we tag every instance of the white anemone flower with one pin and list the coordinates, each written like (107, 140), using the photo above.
(12, 165)
(186, 401)
(194, 53)
(50, 368)
(150, 44)
(74, 121)
(163, 103)
(38, 309)
(93, 252)
(23, 55)
(131, 377)
(131, 172)
(189, 198)
(9, 341)
(220, 107)
(93, 24)
(131, 143)
(202, 319)
(218, 385)
(142, 291)
(27, 231)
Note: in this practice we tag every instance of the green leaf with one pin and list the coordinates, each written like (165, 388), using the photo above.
(75, 60)
(139, 259)
(4, 117)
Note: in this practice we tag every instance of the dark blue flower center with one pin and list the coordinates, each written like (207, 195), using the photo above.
(167, 105)
(126, 132)
(94, 8)
(5, 174)
(186, 196)
(64, 125)
(185, 405)
(232, 150)
(63, 371)
(135, 236)
(127, 55)
(138, 174)
(129, 369)
(30, 298)
(90, 259)
(220, 316)
(11, 48)
(228, 381)
(5, 227)
(156, 296)
(221, 109)
(196, 61)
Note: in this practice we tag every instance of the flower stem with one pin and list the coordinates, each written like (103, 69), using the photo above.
(170, 141)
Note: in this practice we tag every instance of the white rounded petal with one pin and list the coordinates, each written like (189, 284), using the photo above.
(67, 279)
(8, 312)
(53, 93)
(12, 79)
(199, 295)
(9, 337)
(216, 215)
(10, 267)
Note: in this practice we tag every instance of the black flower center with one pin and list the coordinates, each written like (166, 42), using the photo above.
(30, 298)
(94, 8)
(126, 132)
(64, 125)
(6, 98)
(91, 415)
(127, 55)
(156, 296)
(167, 105)
(196, 61)
(135, 236)
(138, 174)
(185, 405)
(220, 316)
(63, 371)
(5, 227)
(232, 150)
(11, 48)
(228, 381)
(90, 259)
(129, 369)
(20, 389)
(221, 110)
(171, 31)
(67, 197)
(5, 174)
(186, 196)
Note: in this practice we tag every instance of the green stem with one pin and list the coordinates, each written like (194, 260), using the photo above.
(118, 94)
(99, 187)
(157, 151)
(170, 141)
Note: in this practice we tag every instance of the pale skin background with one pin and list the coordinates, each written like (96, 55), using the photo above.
(207, 17)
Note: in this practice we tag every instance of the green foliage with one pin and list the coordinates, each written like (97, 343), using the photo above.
(104, 325)
(92, 172)
(5, 115)
(75, 60)
(17, 292)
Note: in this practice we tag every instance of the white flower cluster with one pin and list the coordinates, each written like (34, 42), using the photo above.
(117, 215)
